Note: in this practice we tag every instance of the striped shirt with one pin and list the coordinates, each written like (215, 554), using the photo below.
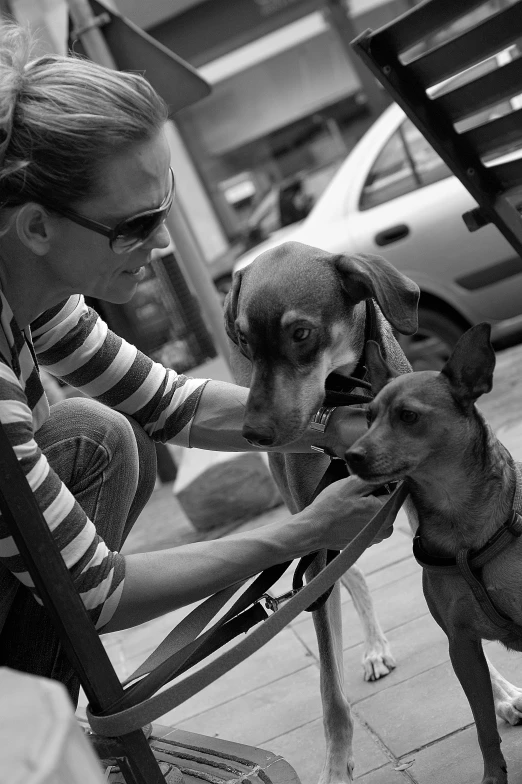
(73, 343)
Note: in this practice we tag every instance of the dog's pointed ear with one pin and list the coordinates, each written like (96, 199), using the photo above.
(230, 306)
(367, 276)
(471, 364)
(380, 371)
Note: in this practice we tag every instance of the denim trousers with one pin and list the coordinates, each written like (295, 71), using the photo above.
(108, 463)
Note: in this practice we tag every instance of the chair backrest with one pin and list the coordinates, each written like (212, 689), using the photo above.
(60, 597)
(455, 69)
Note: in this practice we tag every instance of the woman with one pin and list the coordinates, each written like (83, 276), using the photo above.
(85, 187)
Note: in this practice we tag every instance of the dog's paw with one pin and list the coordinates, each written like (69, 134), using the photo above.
(510, 710)
(378, 662)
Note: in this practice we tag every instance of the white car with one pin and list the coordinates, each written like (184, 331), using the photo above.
(395, 197)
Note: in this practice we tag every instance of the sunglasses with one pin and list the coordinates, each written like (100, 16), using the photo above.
(129, 233)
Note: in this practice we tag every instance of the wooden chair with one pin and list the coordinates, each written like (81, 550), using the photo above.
(431, 61)
(151, 756)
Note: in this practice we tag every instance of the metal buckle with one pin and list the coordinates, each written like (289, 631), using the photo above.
(272, 603)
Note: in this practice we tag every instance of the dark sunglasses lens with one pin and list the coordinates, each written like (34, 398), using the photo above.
(133, 232)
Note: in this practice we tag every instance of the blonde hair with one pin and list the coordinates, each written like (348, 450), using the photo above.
(62, 118)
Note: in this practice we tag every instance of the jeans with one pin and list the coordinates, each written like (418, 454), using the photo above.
(108, 462)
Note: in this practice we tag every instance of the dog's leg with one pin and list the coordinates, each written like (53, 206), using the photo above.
(471, 668)
(507, 697)
(377, 659)
(337, 717)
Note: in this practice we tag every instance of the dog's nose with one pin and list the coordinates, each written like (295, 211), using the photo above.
(355, 457)
(258, 437)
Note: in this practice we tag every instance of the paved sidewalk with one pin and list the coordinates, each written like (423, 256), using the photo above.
(414, 725)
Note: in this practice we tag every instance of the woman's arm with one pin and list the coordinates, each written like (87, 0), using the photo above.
(162, 581)
(218, 423)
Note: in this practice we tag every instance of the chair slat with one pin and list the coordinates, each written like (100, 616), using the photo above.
(490, 89)
(422, 21)
(486, 39)
(509, 174)
(494, 136)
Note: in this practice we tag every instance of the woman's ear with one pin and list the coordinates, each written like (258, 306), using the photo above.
(34, 227)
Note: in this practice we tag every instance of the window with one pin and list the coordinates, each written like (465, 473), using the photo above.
(406, 162)
(429, 166)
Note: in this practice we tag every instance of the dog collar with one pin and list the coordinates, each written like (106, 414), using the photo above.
(510, 530)
(339, 390)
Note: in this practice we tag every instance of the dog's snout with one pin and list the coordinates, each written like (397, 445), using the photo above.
(258, 437)
(355, 457)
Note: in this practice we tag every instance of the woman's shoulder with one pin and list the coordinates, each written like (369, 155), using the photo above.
(58, 313)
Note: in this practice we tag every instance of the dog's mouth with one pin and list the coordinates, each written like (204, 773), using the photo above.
(379, 478)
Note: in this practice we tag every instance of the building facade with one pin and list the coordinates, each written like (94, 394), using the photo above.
(287, 99)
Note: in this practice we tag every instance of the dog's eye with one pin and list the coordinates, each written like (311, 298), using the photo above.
(242, 339)
(408, 416)
(301, 333)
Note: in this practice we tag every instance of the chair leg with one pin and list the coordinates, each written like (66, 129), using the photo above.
(140, 761)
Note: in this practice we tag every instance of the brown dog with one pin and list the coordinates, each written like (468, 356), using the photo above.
(464, 487)
(294, 316)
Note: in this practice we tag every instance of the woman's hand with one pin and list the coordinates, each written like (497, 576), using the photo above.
(341, 510)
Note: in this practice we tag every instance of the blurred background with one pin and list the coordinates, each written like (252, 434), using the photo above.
(287, 104)
(297, 140)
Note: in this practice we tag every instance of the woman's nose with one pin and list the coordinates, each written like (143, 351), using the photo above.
(158, 239)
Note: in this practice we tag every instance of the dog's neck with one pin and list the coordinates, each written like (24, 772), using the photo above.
(350, 346)
(461, 501)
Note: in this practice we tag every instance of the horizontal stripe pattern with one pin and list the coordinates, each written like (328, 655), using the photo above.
(74, 344)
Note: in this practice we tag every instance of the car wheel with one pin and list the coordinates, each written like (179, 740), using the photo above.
(433, 342)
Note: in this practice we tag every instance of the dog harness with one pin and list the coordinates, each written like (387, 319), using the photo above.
(468, 563)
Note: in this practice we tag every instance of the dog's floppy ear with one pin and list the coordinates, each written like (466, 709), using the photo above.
(366, 276)
(230, 306)
(470, 367)
(380, 371)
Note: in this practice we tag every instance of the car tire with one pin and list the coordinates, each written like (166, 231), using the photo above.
(432, 344)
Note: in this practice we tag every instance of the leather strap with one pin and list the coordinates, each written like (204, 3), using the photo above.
(468, 562)
(149, 709)
(500, 539)
(482, 597)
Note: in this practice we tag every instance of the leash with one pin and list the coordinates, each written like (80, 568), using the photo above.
(183, 648)
(119, 722)
(468, 562)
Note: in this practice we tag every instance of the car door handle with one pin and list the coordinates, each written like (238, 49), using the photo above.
(393, 234)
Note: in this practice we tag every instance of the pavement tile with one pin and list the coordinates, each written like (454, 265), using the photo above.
(395, 604)
(304, 749)
(457, 758)
(261, 715)
(417, 646)
(509, 663)
(387, 552)
(281, 656)
(418, 711)
(388, 775)
(392, 573)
